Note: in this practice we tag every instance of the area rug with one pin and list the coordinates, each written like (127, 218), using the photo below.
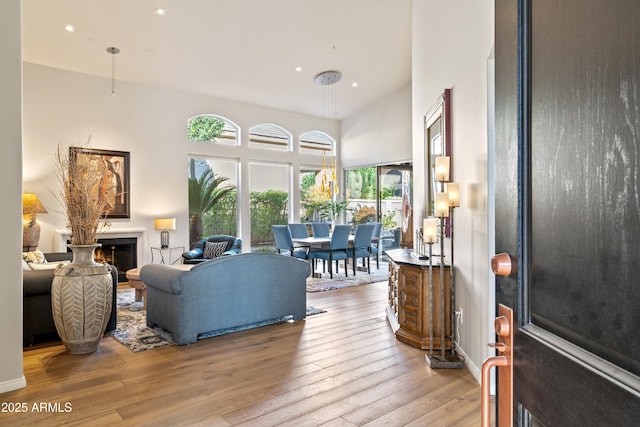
(339, 281)
(133, 332)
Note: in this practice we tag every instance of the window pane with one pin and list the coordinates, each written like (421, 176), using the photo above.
(361, 195)
(213, 198)
(269, 202)
(270, 137)
(316, 142)
(212, 128)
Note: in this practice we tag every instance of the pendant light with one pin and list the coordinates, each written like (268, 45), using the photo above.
(113, 51)
(328, 79)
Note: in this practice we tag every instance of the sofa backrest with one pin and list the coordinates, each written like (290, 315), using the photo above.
(253, 265)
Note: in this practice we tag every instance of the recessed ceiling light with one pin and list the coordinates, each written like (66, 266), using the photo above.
(160, 11)
(354, 84)
(69, 28)
(298, 68)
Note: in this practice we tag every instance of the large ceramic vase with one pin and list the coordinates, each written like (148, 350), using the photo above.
(81, 299)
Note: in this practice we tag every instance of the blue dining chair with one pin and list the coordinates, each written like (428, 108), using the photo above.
(337, 249)
(298, 230)
(375, 242)
(321, 229)
(284, 242)
(362, 246)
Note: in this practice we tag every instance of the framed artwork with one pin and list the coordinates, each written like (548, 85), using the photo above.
(113, 167)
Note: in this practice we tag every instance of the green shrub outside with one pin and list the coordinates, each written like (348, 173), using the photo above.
(267, 208)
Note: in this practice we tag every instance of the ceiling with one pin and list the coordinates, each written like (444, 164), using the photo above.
(243, 50)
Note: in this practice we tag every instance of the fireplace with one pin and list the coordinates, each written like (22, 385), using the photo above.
(120, 252)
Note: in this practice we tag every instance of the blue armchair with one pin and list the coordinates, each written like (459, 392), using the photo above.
(212, 247)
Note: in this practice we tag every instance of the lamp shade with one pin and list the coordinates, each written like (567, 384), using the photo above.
(164, 224)
(442, 205)
(31, 204)
(430, 230)
(442, 168)
(453, 188)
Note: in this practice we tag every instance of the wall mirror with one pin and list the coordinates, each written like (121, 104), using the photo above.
(437, 140)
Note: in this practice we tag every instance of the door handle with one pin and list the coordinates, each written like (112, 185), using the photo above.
(504, 329)
(503, 265)
(486, 386)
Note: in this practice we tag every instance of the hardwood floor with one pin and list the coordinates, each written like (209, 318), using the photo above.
(340, 368)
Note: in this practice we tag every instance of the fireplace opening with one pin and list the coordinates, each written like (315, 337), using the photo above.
(122, 253)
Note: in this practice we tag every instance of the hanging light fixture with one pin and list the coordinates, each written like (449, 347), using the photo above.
(113, 51)
(328, 79)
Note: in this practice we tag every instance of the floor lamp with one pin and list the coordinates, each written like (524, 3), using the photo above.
(444, 210)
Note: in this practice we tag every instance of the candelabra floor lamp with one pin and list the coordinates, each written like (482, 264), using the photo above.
(445, 201)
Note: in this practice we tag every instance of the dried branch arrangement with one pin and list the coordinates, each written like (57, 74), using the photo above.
(81, 194)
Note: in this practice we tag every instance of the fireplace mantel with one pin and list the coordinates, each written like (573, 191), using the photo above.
(114, 233)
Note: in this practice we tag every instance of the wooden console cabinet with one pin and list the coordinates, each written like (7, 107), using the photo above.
(408, 310)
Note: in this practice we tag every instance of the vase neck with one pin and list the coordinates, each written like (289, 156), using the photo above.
(84, 254)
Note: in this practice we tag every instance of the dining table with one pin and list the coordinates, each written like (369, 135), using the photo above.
(321, 242)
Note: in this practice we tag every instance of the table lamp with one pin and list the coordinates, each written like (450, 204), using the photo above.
(31, 206)
(164, 225)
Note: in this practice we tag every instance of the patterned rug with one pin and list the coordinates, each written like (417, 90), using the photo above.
(132, 330)
(339, 281)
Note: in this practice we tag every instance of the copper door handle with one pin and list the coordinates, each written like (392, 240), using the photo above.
(503, 265)
(504, 329)
(486, 383)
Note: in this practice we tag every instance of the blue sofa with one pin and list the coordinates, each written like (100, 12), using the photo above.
(225, 292)
(197, 254)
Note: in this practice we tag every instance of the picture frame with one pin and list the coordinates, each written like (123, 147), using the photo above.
(115, 178)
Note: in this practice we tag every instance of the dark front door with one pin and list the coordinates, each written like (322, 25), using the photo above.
(568, 206)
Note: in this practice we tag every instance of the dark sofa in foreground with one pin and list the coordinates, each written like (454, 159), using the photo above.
(37, 319)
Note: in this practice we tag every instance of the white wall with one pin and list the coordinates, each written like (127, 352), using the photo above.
(380, 133)
(452, 42)
(150, 123)
(11, 376)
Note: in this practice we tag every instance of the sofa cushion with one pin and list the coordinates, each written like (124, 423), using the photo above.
(36, 257)
(214, 249)
(48, 265)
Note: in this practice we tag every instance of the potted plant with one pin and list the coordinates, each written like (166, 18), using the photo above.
(81, 292)
(319, 204)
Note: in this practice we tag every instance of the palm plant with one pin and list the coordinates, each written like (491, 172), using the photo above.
(204, 193)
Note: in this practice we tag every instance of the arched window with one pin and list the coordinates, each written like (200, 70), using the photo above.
(212, 128)
(271, 137)
(317, 142)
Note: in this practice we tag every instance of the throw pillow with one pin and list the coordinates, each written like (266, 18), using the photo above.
(214, 249)
(36, 257)
(25, 265)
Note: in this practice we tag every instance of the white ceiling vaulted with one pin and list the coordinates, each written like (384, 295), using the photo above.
(244, 50)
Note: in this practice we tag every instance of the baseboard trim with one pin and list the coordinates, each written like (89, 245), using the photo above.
(14, 384)
(477, 374)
